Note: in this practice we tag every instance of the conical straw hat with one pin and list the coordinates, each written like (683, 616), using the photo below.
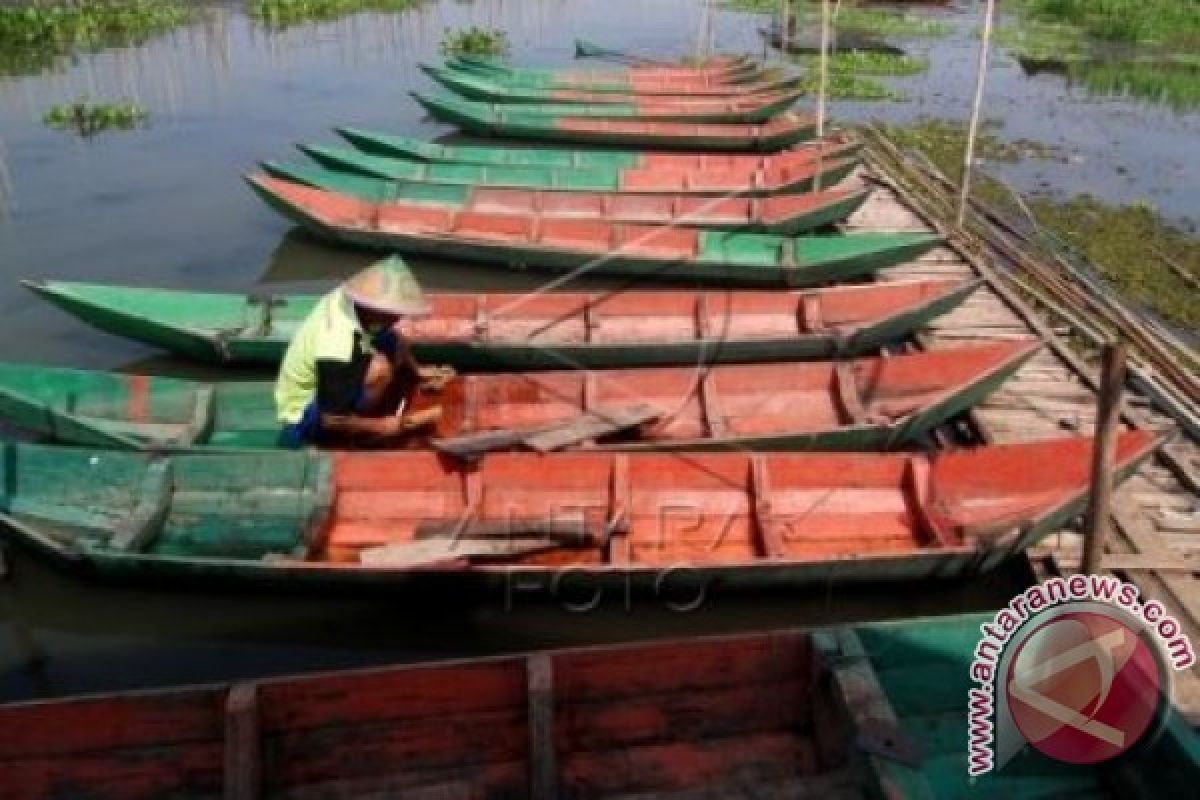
(389, 288)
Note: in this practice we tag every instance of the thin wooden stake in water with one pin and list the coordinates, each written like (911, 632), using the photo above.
(785, 17)
(824, 69)
(1108, 420)
(980, 82)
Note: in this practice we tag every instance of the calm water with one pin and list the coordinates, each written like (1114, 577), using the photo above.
(165, 206)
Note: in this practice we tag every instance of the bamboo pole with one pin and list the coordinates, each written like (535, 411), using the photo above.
(823, 81)
(980, 83)
(1108, 420)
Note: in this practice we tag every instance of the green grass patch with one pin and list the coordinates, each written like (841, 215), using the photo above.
(1170, 23)
(475, 41)
(88, 119)
(1171, 83)
(1133, 246)
(284, 13)
(34, 36)
(845, 86)
(1127, 244)
(863, 62)
(851, 17)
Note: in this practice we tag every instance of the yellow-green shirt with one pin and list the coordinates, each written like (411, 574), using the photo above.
(331, 340)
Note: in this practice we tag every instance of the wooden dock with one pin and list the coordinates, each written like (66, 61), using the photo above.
(1156, 521)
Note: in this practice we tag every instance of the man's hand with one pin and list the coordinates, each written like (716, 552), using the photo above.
(435, 377)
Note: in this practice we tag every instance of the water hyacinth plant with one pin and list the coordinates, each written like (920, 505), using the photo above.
(283, 13)
(475, 41)
(33, 36)
(88, 119)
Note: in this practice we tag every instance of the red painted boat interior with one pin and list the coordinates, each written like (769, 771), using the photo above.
(754, 399)
(732, 178)
(724, 509)
(337, 210)
(830, 147)
(680, 103)
(627, 317)
(779, 125)
(650, 208)
(598, 723)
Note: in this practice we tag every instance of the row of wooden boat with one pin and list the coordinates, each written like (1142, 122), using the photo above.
(458, 513)
(878, 710)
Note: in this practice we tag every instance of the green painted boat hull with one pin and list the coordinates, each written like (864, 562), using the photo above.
(384, 144)
(484, 121)
(725, 258)
(376, 189)
(543, 101)
(355, 165)
(227, 328)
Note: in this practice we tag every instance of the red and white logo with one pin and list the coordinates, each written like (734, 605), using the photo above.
(1084, 687)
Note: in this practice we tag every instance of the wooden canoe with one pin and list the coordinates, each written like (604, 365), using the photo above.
(586, 49)
(515, 331)
(832, 148)
(482, 119)
(784, 215)
(740, 71)
(706, 182)
(634, 81)
(868, 404)
(566, 245)
(713, 110)
(407, 519)
(877, 710)
(736, 107)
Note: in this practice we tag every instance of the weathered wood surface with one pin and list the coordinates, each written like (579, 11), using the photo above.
(1155, 511)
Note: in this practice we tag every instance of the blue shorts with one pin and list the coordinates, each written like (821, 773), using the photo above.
(307, 430)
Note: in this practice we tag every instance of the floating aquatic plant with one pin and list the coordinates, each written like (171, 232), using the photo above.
(879, 21)
(88, 119)
(283, 13)
(1133, 246)
(33, 36)
(475, 41)
(865, 62)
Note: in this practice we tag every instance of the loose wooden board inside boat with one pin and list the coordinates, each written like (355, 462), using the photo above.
(582, 247)
(879, 710)
(514, 331)
(867, 404)
(353, 521)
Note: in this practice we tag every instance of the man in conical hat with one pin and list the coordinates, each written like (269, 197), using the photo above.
(346, 371)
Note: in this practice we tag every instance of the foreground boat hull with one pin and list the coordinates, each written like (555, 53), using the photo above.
(351, 520)
(872, 404)
(698, 327)
(878, 710)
